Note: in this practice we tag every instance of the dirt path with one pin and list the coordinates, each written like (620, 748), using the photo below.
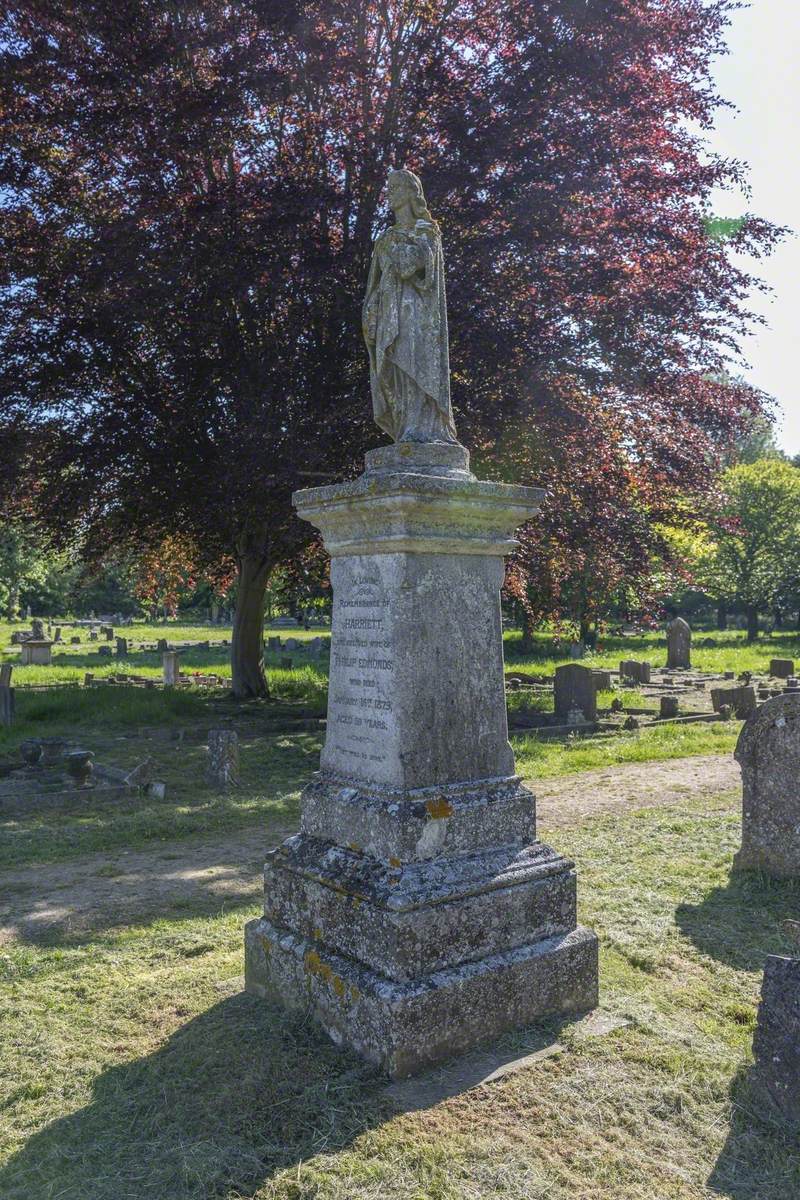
(71, 899)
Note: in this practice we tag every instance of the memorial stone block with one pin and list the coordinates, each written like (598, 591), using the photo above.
(781, 668)
(668, 707)
(170, 667)
(222, 767)
(575, 687)
(631, 668)
(122, 647)
(36, 652)
(776, 1044)
(679, 645)
(741, 700)
(768, 753)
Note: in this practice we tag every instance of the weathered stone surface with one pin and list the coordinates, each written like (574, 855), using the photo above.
(781, 668)
(631, 668)
(122, 647)
(36, 652)
(222, 765)
(679, 645)
(170, 668)
(768, 752)
(575, 687)
(37, 629)
(602, 679)
(416, 879)
(741, 700)
(406, 1027)
(776, 1044)
(408, 921)
(669, 707)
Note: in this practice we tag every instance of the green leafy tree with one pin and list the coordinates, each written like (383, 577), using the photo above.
(23, 562)
(755, 554)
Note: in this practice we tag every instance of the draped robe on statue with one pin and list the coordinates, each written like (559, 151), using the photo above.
(405, 327)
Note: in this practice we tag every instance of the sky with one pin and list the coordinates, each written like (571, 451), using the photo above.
(761, 75)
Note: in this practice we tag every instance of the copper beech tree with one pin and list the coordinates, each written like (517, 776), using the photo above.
(189, 193)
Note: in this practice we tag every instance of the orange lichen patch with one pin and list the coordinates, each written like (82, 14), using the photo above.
(394, 862)
(338, 985)
(439, 808)
(265, 943)
(354, 992)
(316, 934)
(354, 846)
(316, 966)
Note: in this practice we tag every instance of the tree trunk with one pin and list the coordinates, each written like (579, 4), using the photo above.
(585, 630)
(752, 622)
(13, 603)
(247, 645)
(722, 615)
(526, 641)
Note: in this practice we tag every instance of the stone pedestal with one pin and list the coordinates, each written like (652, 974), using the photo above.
(36, 652)
(415, 913)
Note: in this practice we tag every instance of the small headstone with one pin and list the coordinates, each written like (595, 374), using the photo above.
(273, 643)
(781, 668)
(602, 679)
(75, 641)
(122, 647)
(57, 636)
(109, 633)
(6, 695)
(630, 723)
(88, 679)
(162, 646)
(37, 629)
(742, 700)
(222, 766)
(729, 675)
(106, 651)
(631, 668)
(768, 752)
(92, 635)
(575, 687)
(291, 644)
(776, 1043)
(171, 668)
(679, 645)
(287, 664)
(793, 684)
(669, 706)
(577, 650)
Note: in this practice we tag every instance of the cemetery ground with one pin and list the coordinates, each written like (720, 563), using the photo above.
(132, 1064)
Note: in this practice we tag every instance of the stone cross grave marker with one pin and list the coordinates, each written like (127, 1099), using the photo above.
(768, 753)
(222, 765)
(679, 645)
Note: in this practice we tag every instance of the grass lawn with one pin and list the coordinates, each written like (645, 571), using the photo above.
(133, 1066)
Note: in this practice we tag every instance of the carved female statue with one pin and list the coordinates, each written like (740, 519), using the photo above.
(405, 322)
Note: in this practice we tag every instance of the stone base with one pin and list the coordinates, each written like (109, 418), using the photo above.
(407, 1027)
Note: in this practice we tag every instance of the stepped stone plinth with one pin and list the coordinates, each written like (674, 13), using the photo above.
(415, 914)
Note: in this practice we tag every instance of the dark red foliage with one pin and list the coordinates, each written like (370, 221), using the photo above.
(189, 194)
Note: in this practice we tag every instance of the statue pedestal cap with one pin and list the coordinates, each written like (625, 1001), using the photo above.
(415, 913)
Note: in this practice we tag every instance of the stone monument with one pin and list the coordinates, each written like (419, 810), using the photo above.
(768, 752)
(776, 1043)
(679, 645)
(415, 914)
(575, 687)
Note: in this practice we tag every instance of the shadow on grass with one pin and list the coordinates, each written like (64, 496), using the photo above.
(234, 1096)
(739, 924)
(761, 1158)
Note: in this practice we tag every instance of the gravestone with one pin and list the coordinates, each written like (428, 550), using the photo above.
(162, 646)
(36, 652)
(105, 651)
(109, 633)
(415, 913)
(222, 765)
(742, 700)
(122, 647)
(679, 645)
(781, 668)
(92, 635)
(668, 707)
(631, 668)
(776, 1043)
(768, 753)
(602, 679)
(273, 643)
(575, 687)
(6, 695)
(170, 668)
(37, 629)
(57, 636)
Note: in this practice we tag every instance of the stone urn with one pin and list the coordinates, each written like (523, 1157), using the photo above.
(79, 767)
(31, 751)
(53, 748)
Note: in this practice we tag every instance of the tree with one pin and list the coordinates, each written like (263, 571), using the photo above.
(23, 561)
(189, 195)
(755, 555)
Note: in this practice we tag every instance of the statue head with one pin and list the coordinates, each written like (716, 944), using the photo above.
(404, 187)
